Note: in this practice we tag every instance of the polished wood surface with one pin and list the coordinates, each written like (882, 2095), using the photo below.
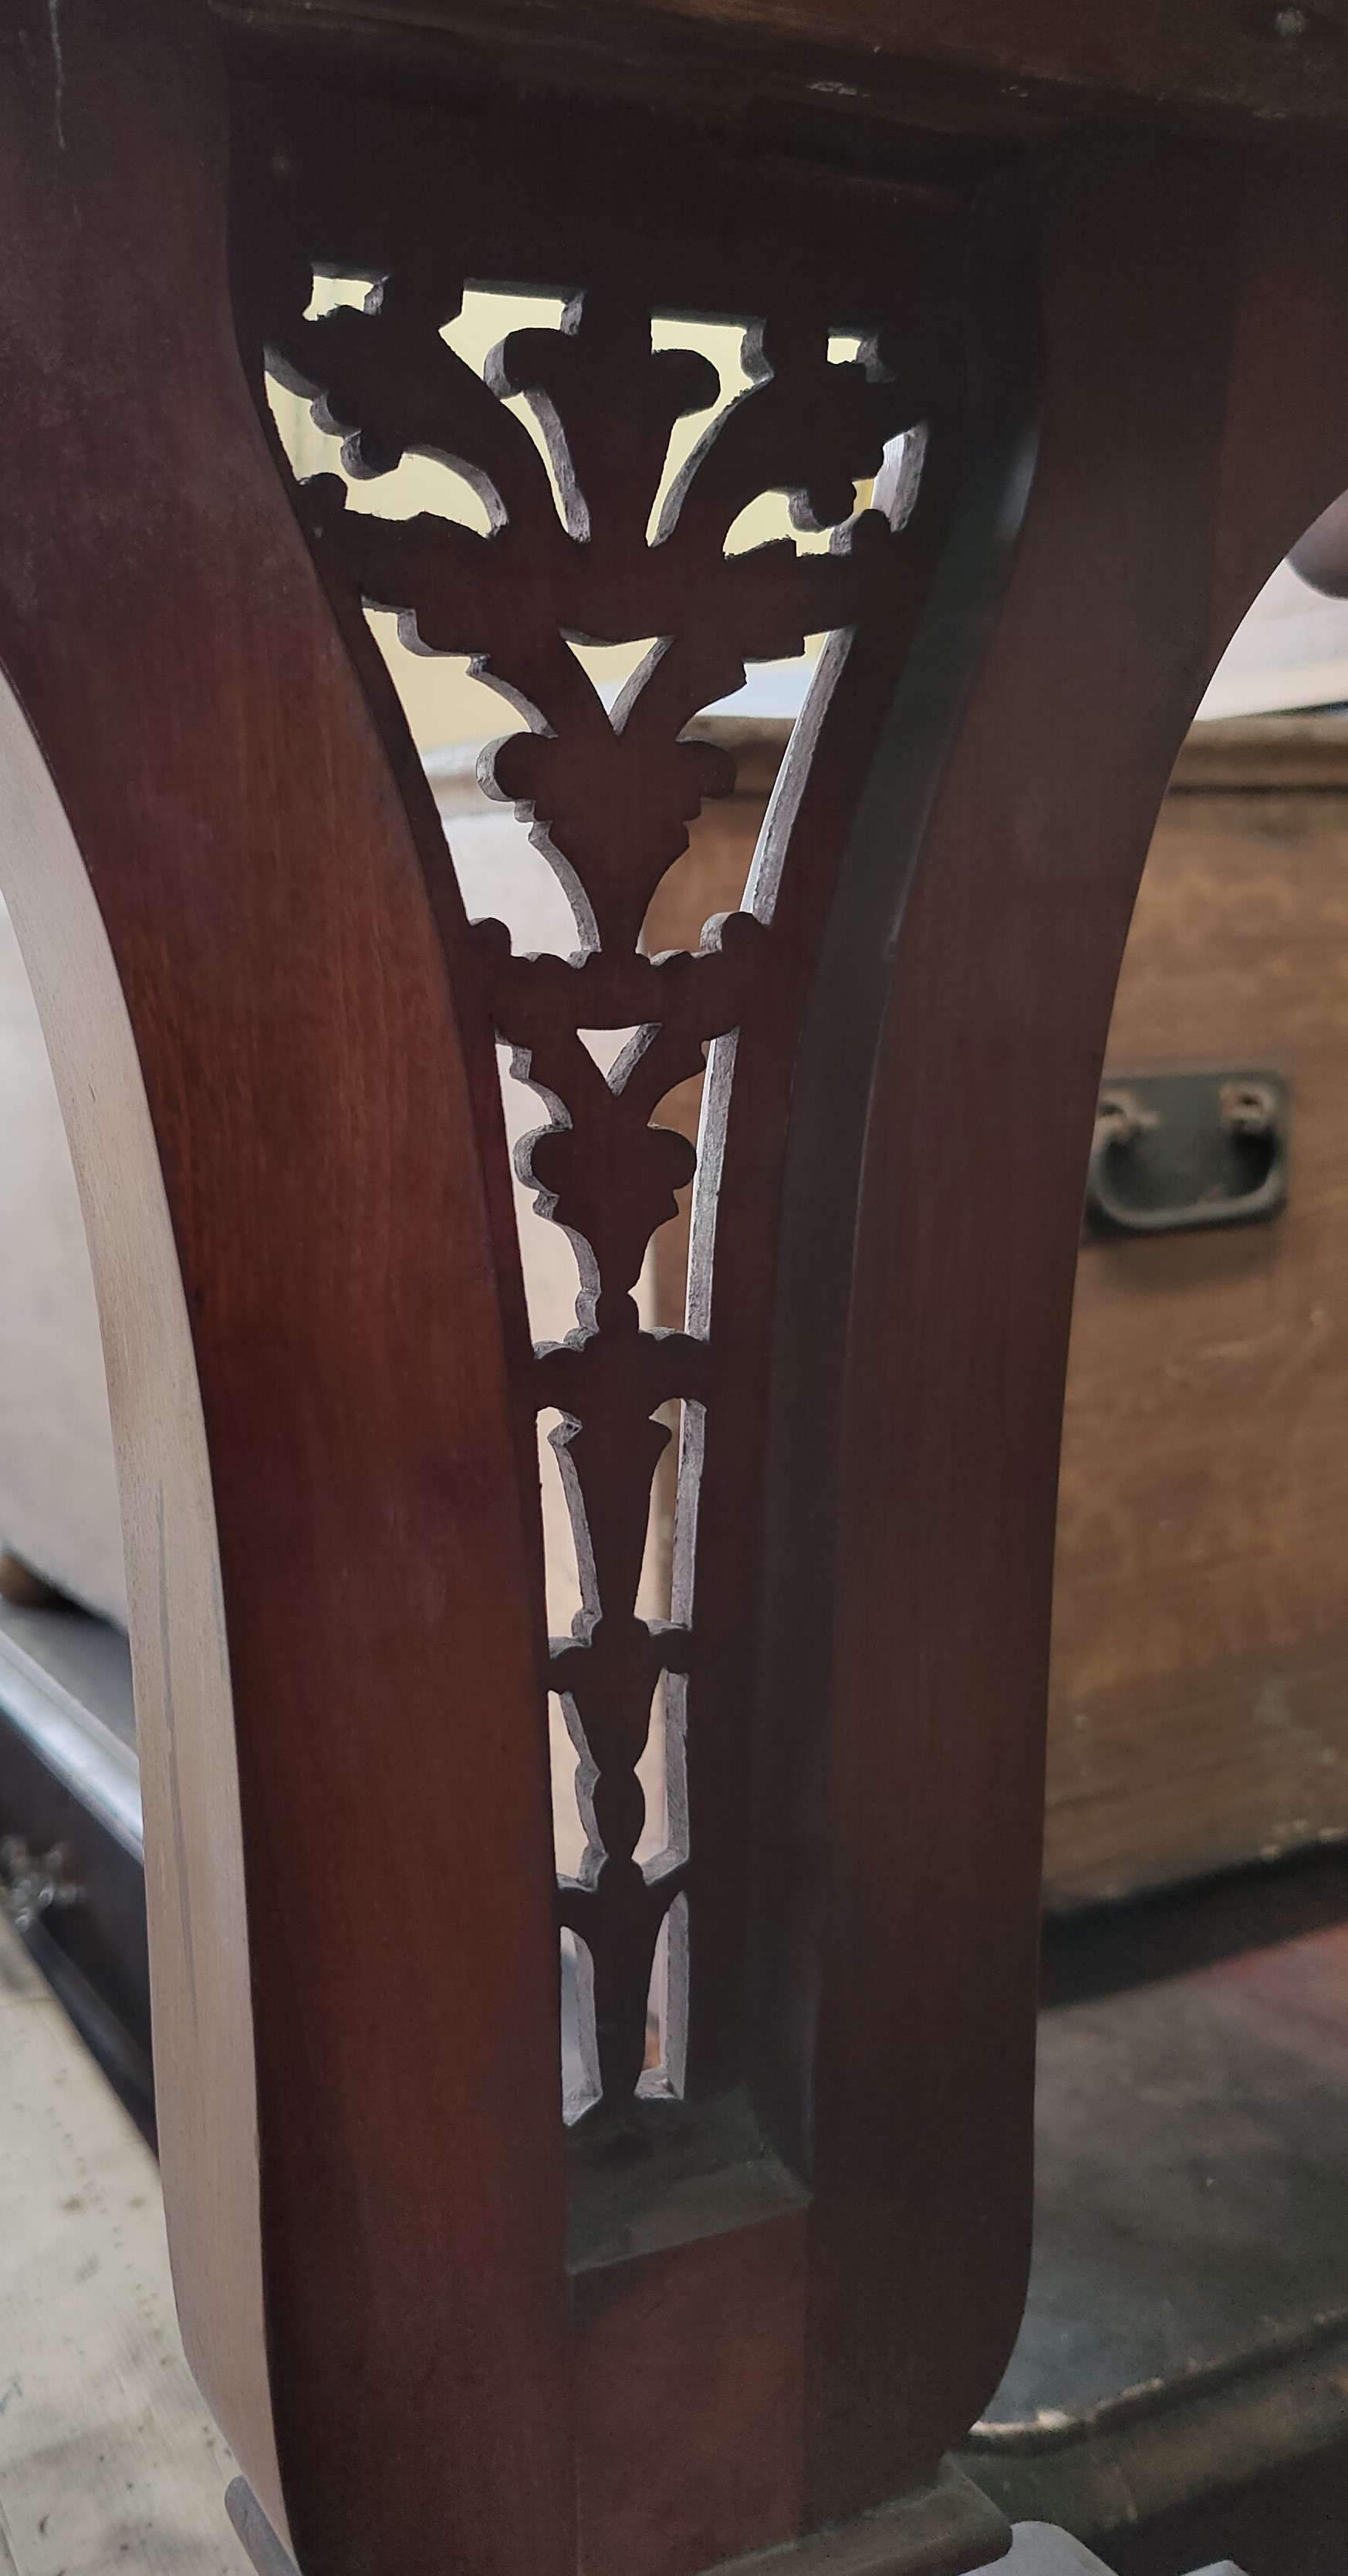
(387, 189)
(998, 67)
(1151, 522)
(706, 2250)
(441, 2328)
(264, 914)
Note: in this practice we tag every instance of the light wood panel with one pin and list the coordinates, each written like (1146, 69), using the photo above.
(1200, 1678)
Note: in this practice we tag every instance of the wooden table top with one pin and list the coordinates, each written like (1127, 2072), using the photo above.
(991, 65)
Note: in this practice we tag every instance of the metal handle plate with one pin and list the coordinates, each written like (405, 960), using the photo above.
(1173, 1151)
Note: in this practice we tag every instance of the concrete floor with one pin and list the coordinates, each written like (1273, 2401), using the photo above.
(107, 2456)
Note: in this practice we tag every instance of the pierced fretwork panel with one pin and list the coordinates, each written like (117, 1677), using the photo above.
(578, 537)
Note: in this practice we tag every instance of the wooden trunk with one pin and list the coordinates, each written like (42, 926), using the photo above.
(1199, 1704)
(1200, 1655)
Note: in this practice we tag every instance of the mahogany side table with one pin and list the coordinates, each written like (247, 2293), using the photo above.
(1045, 339)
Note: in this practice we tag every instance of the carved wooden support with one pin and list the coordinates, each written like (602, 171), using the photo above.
(750, 2296)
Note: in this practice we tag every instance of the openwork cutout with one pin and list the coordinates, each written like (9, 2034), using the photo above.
(616, 475)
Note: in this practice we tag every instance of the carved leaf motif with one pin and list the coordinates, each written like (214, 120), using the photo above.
(610, 797)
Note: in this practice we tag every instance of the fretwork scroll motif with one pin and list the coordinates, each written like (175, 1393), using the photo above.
(610, 794)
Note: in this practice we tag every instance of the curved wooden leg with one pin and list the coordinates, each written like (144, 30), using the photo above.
(723, 2313)
(284, 1197)
(1195, 418)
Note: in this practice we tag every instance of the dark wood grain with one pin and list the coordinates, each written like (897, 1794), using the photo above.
(1168, 484)
(1007, 67)
(413, 196)
(718, 2314)
(415, 200)
(266, 918)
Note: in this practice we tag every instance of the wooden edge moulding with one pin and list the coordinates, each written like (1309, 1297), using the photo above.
(1044, 427)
